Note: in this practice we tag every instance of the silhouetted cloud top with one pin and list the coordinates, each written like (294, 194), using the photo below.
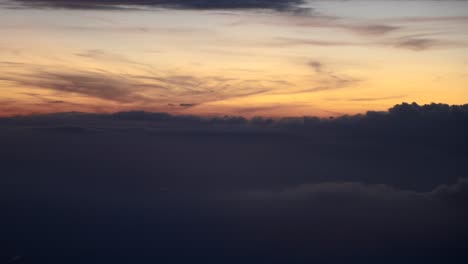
(160, 187)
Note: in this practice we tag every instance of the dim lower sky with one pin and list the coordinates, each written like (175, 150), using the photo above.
(270, 58)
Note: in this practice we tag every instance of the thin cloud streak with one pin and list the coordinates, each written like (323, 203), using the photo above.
(317, 20)
(370, 99)
(405, 42)
(276, 5)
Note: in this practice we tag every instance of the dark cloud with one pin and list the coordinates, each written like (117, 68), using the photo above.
(316, 65)
(435, 129)
(187, 105)
(383, 187)
(278, 5)
(254, 109)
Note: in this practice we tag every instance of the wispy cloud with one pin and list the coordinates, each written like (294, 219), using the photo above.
(101, 55)
(277, 5)
(287, 42)
(327, 79)
(93, 84)
(418, 42)
(369, 99)
(145, 89)
(331, 82)
(370, 29)
(424, 19)
(317, 20)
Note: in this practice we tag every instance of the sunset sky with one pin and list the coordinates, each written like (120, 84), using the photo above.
(234, 131)
(249, 58)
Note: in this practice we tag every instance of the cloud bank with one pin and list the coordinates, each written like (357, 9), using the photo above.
(381, 187)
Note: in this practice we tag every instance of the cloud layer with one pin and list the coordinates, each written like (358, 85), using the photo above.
(382, 187)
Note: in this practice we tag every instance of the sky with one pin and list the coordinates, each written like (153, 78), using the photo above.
(233, 131)
(247, 58)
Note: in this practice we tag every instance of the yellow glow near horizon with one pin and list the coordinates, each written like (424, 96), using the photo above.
(241, 63)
